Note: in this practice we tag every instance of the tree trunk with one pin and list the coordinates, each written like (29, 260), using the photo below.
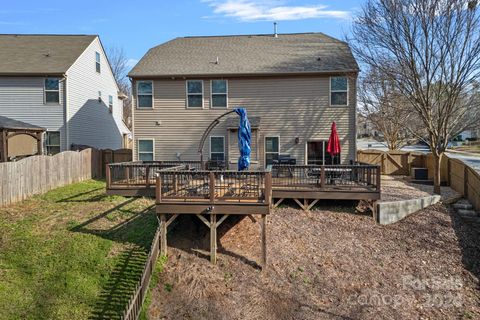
(437, 160)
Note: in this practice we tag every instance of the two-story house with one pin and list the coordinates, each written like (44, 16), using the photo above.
(63, 83)
(292, 85)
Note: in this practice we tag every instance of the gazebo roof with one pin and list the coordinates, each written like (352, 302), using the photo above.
(12, 124)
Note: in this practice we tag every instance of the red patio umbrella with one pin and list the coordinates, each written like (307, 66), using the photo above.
(333, 146)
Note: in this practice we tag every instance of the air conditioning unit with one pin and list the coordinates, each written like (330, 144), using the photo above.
(419, 174)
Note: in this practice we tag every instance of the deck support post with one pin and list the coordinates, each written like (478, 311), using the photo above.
(264, 241)
(213, 238)
(299, 203)
(163, 234)
(375, 212)
(278, 202)
(310, 206)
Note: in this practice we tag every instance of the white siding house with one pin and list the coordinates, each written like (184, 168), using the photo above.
(84, 108)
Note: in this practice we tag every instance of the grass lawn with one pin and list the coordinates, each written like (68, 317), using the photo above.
(72, 253)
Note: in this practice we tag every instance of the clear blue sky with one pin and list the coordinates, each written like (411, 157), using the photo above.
(137, 25)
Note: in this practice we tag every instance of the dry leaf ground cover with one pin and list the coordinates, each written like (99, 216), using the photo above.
(72, 253)
(325, 264)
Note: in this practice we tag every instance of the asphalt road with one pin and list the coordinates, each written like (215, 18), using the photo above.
(472, 160)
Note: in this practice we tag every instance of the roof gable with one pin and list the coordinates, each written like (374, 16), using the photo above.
(40, 54)
(248, 54)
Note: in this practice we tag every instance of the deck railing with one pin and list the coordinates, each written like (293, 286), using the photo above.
(142, 173)
(214, 186)
(326, 176)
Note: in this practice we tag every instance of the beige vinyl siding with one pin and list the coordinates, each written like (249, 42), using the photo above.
(289, 107)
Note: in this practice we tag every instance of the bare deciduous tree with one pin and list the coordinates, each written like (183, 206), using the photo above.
(385, 107)
(119, 63)
(435, 49)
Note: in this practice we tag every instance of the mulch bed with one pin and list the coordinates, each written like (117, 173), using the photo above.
(325, 264)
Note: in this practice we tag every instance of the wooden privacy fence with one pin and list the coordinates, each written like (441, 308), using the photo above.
(392, 162)
(38, 174)
(115, 156)
(454, 172)
(464, 180)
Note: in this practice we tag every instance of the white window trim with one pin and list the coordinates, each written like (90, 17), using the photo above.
(224, 151)
(194, 94)
(265, 148)
(138, 147)
(45, 90)
(330, 92)
(153, 94)
(99, 62)
(212, 93)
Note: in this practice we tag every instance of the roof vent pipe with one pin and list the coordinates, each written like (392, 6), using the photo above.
(275, 34)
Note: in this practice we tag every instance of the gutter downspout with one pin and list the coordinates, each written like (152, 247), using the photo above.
(66, 117)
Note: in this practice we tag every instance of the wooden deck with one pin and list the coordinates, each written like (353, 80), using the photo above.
(212, 196)
(308, 184)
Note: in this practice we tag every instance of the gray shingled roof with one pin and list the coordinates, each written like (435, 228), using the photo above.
(248, 54)
(40, 54)
(8, 123)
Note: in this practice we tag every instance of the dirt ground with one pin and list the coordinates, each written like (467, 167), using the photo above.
(398, 188)
(325, 264)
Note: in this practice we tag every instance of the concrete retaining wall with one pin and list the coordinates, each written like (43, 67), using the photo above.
(393, 211)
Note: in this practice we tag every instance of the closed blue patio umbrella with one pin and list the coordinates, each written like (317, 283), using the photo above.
(244, 139)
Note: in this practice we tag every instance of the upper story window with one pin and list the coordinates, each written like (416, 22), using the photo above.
(219, 93)
(97, 62)
(194, 94)
(52, 90)
(145, 94)
(338, 91)
(110, 103)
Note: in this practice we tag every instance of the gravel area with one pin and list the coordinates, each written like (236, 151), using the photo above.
(325, 264)
(398, 188)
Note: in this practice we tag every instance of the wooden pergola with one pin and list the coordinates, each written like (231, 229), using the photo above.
(10, 128)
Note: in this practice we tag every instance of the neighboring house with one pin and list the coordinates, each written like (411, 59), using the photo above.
(63, 83)
(365, 127)
(292, 85)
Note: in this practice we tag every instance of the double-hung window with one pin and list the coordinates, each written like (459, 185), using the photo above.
(52, 142)
(145, 149)
(272, 149)
(97, 62)
(217, 148)
(52, 90)
(145, 94)
(338, 91)
(219, 97)
(194, 94)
